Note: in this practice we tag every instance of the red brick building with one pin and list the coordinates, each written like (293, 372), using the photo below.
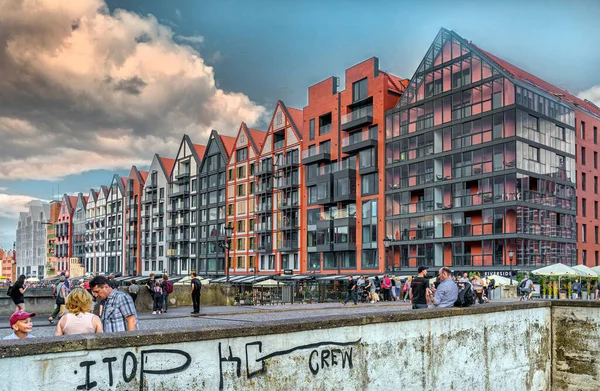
(64, 233)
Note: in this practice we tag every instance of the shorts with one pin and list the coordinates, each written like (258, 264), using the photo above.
(525, 292)
(19, 300)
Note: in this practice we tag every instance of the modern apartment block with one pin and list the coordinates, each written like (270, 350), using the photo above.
(95, 251)
(343, 222)
(241, 187)
(133, 203)
(115, 232)
(51, 238)
(154, 217)
(64, 233)
(31, 240)
(479, 166)
(211, 205)
(80, 229)
(182, 209)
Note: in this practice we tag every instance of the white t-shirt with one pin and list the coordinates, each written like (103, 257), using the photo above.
(14, 336)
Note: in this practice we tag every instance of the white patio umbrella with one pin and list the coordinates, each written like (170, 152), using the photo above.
(557, 270)
(587, 271)
(499, 280)
(32, 279)
(596, 269)
(270, 283)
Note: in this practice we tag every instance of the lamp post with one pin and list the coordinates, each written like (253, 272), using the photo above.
(387, 242)
(511, 256)
(226, 246)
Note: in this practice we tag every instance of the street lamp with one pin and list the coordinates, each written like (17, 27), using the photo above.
(511, 255)
(227, 246)
(387, 242)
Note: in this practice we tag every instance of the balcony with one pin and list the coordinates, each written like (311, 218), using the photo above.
(182, 206)
(288, 224)
(183, 175)
(182, 221)
(358, 141)
(346, 246)
(316, 155)
(285, 205)
(263, 169)
(263, 188)
(344, 185)
(149, 198)
(417, 207)
(286, 183)
(472, 229)
(133, 217)
(263, 209)
(290, 163)
(324, 247)
(264, 248)
(358, 118)
(287, 245)
(158, 225)
(180, 238)
(181, 191)
(132, 242)
(262, 227)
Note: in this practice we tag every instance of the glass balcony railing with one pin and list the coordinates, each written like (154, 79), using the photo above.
(365, 111)
(359, 137)
(315, 151)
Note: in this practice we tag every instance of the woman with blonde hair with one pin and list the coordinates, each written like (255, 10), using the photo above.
(79, 319)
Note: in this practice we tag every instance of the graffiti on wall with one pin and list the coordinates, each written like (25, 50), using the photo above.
(251, 363)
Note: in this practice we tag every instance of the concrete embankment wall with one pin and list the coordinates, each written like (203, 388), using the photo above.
(491, 347)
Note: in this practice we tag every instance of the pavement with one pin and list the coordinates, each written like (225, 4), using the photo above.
(239, 316)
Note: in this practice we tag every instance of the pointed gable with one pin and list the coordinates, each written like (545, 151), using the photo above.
(166, 165)
(253, 139)
(228, 144)
(92, 196)
(286, 122)
(259, 137)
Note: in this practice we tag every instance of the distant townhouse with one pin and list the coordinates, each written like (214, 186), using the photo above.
(133, 202)
(64, 233)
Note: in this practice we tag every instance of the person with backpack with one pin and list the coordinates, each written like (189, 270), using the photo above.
(577, 288)
(196, 290)
(61, 294)
(167, 287)
(466, 294)
(158, 296)
(16, 293)
(526, 288)
(447, 292)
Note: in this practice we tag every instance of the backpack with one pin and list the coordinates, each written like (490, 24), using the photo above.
(157, 289)
(523, 284)
(466, 297)
(197, 284)
(169, 286)
(9, 292)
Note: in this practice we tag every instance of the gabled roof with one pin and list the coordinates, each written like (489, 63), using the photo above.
(103, 190)
(258, 137)
(200, 149)
(144, 175)
(94, 194)
(396, 83)
(228, 144)
(293, 115)
(538, 83)
(136, 175)
(166, 164)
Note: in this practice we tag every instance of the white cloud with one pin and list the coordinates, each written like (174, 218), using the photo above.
(11, 205)
(85, 89)
(592, 94)
(178, 13)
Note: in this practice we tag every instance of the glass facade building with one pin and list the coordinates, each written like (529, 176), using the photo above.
(479, 165)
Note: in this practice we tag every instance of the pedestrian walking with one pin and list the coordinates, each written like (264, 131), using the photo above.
(61, 296)
(406, 288)
(576, 288)
(196, 290)
(119, 312)
(158, 297)
(150, 286)
(386, 284)
(419, 289)
(79, 319)
(134, 289)
(447, 291)
(167, 287)
(478, 287)
(16, 293)
(351, 291)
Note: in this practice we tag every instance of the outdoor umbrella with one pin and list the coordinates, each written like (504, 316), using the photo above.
(32, 279)
(270, 283)
(557, 270)
(596, 269)
(587, 272)
(499, 280)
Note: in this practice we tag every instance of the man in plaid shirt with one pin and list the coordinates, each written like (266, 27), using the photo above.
(119, 311)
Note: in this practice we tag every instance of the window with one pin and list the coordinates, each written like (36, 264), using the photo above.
(595, 135)
(582, 130)
(369, 184)
(241, 172)
(584, 256)
(595, 209)
(595, 159)
(534, 153)
(596, 234)
(583, 155)
(325, 147)
(230, 174)
(583, 207)
(583, 233)
(595, 184)
(240, 226)
(325, 124)
(241, 154)
(369, 259)
(241, 190)
(583, 181)
(252, 167)
(194, 184)
(359, 90)
(367, 158)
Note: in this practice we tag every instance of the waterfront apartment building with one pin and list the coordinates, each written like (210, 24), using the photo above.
(115, 229)
(212, 188)
(480, 166)
(64, 233)
(51, 238)
(133, 202)
(96, 230)
(31, 239)
(154, 217)
(343, 139)
(241, 188)
(79, 230)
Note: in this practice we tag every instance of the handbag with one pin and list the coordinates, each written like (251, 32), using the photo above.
(60, 300)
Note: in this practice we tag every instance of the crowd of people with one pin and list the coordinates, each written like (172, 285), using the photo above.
(94, 306)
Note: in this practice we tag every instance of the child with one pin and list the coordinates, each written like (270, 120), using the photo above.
(21, 324)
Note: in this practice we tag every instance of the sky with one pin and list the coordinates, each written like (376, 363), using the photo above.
(89, 87)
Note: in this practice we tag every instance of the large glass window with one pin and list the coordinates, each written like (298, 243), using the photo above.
(369, 184)
(359, 90)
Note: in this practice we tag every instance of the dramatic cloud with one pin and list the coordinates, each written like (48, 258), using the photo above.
(84, 89)
(12, 205)
(191, 39)
(593, 95)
